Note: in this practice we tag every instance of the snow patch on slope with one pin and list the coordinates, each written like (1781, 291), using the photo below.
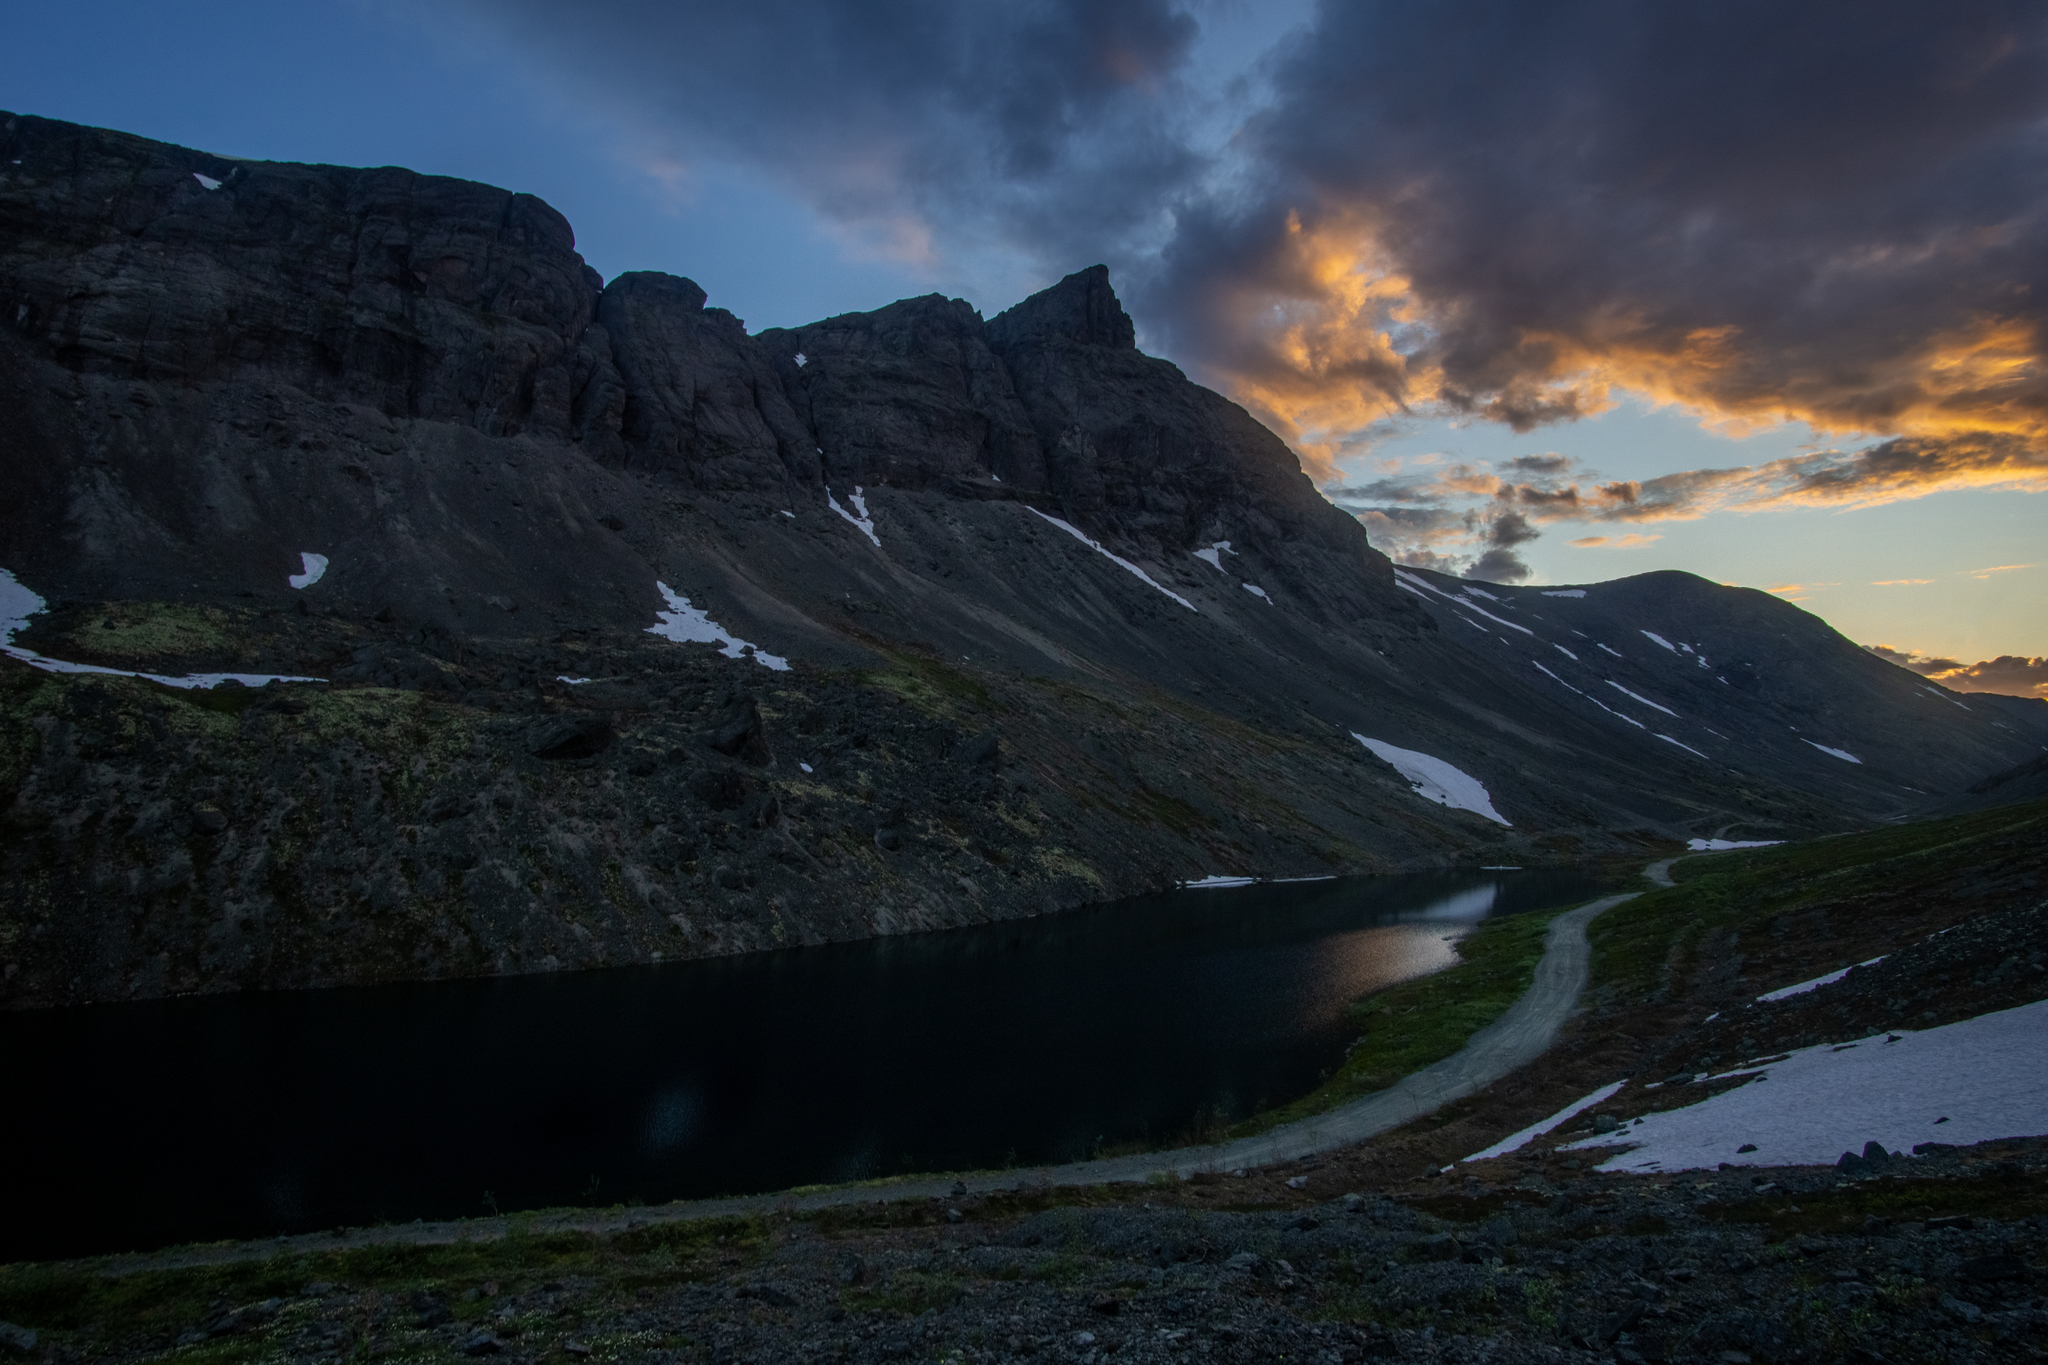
(1515, 1142)
(1723, 845)
(1639, 697)
(1655, 638)
(1842, 754)
(314, 569)
(1213, 555)
(685, 624)
(1257, 591)
(1786, 992)
(1095, 545)
(865, 522)
(1566, 592)
(1436, 780)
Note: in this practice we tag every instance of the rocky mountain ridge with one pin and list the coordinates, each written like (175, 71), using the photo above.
(647, 636)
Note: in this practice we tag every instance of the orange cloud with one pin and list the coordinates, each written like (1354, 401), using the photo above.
(1627, 542)
(1899, 582)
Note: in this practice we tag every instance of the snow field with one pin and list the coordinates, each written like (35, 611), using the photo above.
(1435, 780)
(1566, 592)
(1723, 845)
(1213, 555)
(1962, 1083)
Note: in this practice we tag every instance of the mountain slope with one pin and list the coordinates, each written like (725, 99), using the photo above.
(957, 619)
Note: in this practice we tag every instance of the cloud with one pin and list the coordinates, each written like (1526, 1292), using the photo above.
(1999, 568)
(1053, 130)
(1899, 582)
(2012, 675)
(1826, 213)
(1630, 541)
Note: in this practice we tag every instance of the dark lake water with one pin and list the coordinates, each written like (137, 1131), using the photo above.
(139, 1125)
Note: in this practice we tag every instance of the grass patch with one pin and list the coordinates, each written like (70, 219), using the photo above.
(1661, 937)
(933, 688)
(2003, 1196)
(73, 1297)
(1410, 1026)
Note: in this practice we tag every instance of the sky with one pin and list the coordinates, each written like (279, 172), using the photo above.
(1541, 293)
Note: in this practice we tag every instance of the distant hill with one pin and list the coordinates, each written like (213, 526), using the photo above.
(957, 618)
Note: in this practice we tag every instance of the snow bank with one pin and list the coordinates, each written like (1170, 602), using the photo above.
(685, 624)
(1723, 845)
(865, 522)
(1687, 747)
(1515, 1142)
(1562, 650)
(1566, 592)
(801, 359)
(1436, 780)
(1216, 883)
(573, 682)
(1785, 992)
(206, 182)
(314, 566)
(1962, 1083)
(1095, 545)
(1256, 591)
(1615, 652)
(1213, 556)
(1658, 639)
(1639, 697)
(18, 602)
(1842, 754)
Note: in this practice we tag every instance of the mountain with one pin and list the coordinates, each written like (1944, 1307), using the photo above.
(638, 635)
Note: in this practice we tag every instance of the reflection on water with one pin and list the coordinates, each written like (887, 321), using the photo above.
(1027, 1042)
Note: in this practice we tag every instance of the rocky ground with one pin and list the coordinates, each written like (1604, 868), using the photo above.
(1935, 1258)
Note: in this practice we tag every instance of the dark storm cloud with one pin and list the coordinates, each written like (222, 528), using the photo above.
(1050, 123)
(1831, 211)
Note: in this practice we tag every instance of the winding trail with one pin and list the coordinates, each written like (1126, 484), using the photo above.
(1514, 1040)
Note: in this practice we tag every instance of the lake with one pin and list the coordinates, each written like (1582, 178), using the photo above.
(139, 1125)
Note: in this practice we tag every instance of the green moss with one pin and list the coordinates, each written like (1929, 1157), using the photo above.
(141, 634)
(933, 688)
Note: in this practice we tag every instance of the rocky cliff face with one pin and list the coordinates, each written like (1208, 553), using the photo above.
(959, 619)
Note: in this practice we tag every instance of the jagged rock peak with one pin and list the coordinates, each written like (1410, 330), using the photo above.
(1081, 308)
